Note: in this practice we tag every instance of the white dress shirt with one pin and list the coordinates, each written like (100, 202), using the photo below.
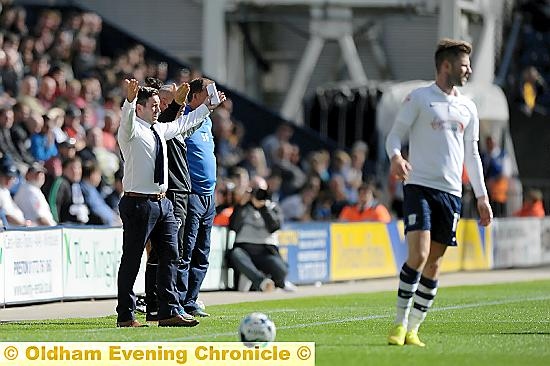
(137, 143)
(443, 134)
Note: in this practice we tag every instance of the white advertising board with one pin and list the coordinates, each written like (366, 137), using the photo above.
(216, 276)
(32, 266)
(517, 242)
(545, 240)
(91, 258)
(2, 275)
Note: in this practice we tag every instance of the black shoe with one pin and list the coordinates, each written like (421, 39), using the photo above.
(152, 316)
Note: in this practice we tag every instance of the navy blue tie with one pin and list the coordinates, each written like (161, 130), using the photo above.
(159, 159)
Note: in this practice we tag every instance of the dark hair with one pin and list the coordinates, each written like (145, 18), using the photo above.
(450, 50)
(195, 86)
(153, 82)
(88, 168)
(69, 161)
(144, 93)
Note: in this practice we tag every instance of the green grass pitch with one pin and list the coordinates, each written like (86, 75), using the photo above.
(506, 324)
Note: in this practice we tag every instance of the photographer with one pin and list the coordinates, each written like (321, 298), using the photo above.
(255, 254)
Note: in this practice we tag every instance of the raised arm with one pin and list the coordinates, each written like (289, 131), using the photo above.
(126, 130)
(191, 120)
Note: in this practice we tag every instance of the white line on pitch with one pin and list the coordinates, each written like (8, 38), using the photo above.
(370, 317)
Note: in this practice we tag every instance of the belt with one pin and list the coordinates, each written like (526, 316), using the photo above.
(153, 196)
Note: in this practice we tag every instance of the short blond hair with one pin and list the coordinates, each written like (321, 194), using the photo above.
(449, 49)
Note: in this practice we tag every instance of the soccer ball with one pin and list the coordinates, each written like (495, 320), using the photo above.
(257, 327)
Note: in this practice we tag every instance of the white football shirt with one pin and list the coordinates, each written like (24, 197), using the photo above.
(443, 135)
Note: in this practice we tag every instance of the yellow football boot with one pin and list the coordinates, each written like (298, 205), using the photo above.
(411, 338)
(397, 335)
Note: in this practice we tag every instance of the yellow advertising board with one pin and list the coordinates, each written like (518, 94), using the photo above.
(473, 252)
(360, 250)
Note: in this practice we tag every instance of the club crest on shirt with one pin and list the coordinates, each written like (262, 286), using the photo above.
(453, 125)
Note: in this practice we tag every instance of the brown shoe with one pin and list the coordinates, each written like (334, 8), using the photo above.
(130, 324)
(178, 321)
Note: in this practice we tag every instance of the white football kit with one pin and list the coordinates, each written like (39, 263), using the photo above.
(443, 134)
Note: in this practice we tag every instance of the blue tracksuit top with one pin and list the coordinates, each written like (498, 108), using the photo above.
(201, 158)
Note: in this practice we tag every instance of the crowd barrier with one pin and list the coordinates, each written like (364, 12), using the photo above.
(47, 264)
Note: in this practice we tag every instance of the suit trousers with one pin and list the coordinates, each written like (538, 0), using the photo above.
(179, 202)
(145, 219)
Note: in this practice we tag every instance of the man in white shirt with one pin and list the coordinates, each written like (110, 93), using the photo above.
(443, 129)
(145, 211)
(31, 200)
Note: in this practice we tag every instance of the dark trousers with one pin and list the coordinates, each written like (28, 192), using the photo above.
(194, 261)
(143, 219)
(179, 201)
(258, 261)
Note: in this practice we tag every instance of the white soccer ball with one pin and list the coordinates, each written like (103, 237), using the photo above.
(257, 327)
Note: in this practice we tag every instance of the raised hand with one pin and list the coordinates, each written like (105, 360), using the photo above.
(132, 88)
(208, 101)
(181, 94)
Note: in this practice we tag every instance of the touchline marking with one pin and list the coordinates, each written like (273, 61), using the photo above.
(371, 317)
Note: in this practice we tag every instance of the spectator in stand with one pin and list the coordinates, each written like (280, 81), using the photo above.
(31, 200)
(43, 146)
(114, 197)
(100, 212)
(367, 207)
(337, 188)
(497, 169)
(318, 165)
(274, 182)
(67, 150)
(8, 175)
(341, 166)
(7, 146)
(21, 133)
(72, 126)
(532, 205)
(225, 202)
(271, 143)
(227, 135)
(110, 128)
(255, 254)
(40, 66)
(46, 92)
(298, 206)
(71, 97)
(66, 198)
(532, 87)
(28, 90)
(293, 176)
(255, 162)
(240, 177)
(107, 161)
(360, 170)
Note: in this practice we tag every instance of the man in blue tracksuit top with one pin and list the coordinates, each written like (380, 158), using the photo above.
(201, 206)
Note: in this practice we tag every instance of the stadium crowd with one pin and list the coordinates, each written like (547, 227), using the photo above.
(60, 110)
